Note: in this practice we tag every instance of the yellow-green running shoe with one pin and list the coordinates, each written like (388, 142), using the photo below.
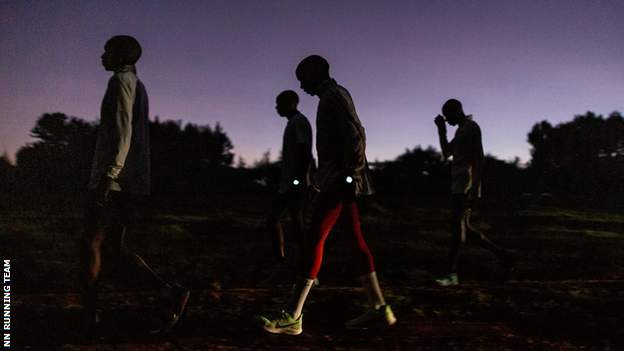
(380, 317)
(284, 324)
(449, 280)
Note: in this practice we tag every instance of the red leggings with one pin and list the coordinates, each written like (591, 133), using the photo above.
(326, 214)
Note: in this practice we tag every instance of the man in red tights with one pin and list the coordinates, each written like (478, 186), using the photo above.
(343, 176)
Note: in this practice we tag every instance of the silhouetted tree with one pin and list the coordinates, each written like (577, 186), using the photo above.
(60, 159)
(581, 158)
(267, 172)
(241, 162)
(415, 172)
(7, 173)
(423, 174)
(188, 159)
(220, 147)
(503, 181)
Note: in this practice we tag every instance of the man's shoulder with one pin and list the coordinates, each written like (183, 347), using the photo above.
(300, 118)
(299, 122)
(334, 100)
(471, 125)
(334, 92)
(342, 89)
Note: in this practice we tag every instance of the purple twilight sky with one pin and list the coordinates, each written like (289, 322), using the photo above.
(511, 63)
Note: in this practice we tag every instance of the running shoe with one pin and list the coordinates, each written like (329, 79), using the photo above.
(175, 300)
(449, 280)
(284, 324)
(379, 317)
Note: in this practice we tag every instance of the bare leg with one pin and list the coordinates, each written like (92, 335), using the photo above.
(91, 265)
(458, 232)
(480, 239)
(277, 237)
(274, 226)
(129, 260)
(298, 226)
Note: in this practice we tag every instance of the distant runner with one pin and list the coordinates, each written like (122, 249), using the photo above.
(466, 170)
(296, 165)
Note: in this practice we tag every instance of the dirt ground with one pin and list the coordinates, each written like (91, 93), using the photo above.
(513, 316)
(566, 292)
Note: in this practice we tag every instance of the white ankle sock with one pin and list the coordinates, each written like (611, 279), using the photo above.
(298, 296)
(371, 286)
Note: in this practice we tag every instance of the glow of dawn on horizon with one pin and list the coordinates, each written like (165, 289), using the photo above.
(512, 64)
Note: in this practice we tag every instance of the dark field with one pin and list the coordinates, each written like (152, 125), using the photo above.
(566, 292)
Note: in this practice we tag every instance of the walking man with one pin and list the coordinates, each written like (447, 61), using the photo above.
(466, 170)
(295, 179)
(343, 175)
(120, 177)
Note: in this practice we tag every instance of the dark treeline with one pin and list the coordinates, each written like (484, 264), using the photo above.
(581, 160)
(183, 156)
(421, 175)
(580, 163)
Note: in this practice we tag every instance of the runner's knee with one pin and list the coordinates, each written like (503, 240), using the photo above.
(474, 235)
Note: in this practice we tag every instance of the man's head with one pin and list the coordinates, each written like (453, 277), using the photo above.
(453, 111)
(119, 51)
(311, 72)
(286, 103)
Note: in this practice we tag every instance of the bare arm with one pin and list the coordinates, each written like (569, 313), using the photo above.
(303, 158)
(445, 146)
(303, 147)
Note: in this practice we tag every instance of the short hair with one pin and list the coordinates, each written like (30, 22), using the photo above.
(287, 97)
(452, 105)
(126, 47)
(317, 64)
